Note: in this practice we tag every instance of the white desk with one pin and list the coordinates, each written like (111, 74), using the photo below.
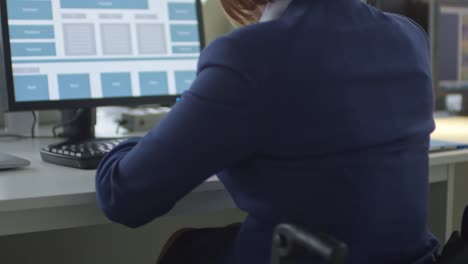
(452, 167)
(46, 197)
(442, 169)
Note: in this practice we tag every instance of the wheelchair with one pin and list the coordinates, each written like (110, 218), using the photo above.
(291, 242)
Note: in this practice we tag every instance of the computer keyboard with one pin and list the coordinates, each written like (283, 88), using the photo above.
(82, 155)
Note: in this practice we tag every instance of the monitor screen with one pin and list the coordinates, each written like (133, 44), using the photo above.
(452, 45)
(99, 52)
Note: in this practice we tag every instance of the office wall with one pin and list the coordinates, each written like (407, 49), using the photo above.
(45, 117)
(215, 23)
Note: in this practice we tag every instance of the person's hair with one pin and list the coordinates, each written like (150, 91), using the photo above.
(243, 11)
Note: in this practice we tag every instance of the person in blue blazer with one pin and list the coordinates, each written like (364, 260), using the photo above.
(317, 113)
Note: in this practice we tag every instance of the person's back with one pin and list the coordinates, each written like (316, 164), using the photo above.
(320, 118)
(345, 106)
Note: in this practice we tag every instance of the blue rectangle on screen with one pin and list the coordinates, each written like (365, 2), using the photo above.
(31, 88)
(32, 49)
(153, 83)
(184, 80)
(116, 84)
(185, 49)
(105, 4)
(32, 32)
(182, 11)
(184, 33)
(29, 10)
(74, 86)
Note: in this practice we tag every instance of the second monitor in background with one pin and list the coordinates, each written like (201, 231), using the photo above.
(446, 23)
(417, 10)
(452, 52)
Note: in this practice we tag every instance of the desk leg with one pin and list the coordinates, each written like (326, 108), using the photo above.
(450, 201)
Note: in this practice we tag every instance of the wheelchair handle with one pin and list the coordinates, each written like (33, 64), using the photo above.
(290, 242)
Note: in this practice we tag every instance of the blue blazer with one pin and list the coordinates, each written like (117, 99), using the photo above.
(320, 118)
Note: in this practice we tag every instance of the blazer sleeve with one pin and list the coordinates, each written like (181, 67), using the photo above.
(214, 125)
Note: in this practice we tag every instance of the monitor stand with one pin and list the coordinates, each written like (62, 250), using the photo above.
(78, 124)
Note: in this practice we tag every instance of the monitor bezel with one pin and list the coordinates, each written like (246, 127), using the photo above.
(8, 102)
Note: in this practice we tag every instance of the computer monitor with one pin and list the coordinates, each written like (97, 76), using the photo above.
(80, 54)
